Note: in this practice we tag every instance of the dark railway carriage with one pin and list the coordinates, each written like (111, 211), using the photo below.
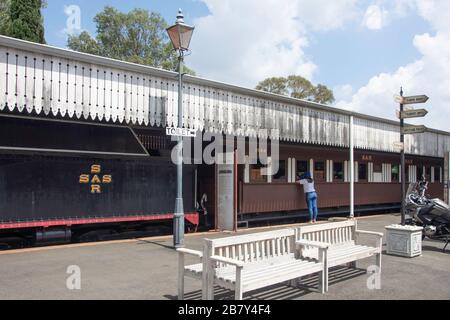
(82, 146)
(58, 177)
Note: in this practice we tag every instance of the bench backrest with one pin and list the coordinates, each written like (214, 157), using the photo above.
(253, 247)
(334, 233)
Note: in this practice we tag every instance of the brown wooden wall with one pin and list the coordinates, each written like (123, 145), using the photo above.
(265, 197)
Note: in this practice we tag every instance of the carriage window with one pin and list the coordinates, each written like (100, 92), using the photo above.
(281, 174)
(255, 173)
(377, 168)
(338, 171)
(302, 167)
(437, 174)
(395, 172)
(362, 171)
(319, 171)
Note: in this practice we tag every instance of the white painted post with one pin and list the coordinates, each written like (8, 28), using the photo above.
(352, 170)
(445, 177)
(290, 171)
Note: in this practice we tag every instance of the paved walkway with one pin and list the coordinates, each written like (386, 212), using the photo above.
(146, 269)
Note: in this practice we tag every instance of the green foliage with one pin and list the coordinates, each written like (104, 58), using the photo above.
(22, 19)
(300, 87)
(323, 95)
(297, 87)
(83, 43)
(138, 36)
(274, 85)
(4, 5)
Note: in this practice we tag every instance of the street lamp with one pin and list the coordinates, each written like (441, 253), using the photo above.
(180, 34)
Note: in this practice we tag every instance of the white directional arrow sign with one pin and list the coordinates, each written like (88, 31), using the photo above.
(414, 129)
(181, 132)
(414, 113)
(415, 99)
(398, 145)
(398, 99)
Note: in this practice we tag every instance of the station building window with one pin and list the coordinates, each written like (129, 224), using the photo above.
(395, 173)
(362, 171)
(338, 171)
(255, 173)
(302, 167)
(319, 171)
(280, 176)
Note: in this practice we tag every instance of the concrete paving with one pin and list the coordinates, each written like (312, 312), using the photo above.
(146, 269)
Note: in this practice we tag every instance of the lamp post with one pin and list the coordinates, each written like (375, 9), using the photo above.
(180, 35)
(402, 160)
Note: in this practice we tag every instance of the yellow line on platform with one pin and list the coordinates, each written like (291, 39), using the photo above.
(91, 244)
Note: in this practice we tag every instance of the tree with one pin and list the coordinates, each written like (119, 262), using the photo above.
(323, 95)
(4, 5)
(22, 19)
(83, 43)
(297, 87)
(300, 87)
(138, 36)
(274, 85)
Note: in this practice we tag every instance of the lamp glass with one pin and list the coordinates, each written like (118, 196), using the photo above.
(180, 35)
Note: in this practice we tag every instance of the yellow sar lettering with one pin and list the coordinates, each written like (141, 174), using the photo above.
(96, 168)
(95, 188)
(84, 178)
(107, 179)
(96, 179)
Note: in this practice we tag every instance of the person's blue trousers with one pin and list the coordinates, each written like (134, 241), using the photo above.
(311, 200)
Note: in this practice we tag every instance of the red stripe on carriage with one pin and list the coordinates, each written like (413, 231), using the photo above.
(192, 217)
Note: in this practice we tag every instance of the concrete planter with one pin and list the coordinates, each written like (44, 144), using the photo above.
(404, 241)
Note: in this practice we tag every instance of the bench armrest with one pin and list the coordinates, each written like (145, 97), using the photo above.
(229, 261)
(191, 252)
(378, 234)
(317, 244)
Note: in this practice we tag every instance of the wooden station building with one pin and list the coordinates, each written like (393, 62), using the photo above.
(83, 144)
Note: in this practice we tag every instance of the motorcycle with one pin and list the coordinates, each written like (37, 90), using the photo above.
(431, 214)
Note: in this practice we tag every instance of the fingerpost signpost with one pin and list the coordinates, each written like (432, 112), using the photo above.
(403, 240)
(406, 114)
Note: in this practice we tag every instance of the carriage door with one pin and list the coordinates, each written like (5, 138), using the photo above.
(225, 192)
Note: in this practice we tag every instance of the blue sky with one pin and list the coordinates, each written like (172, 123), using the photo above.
(55, 18)
(364, 50)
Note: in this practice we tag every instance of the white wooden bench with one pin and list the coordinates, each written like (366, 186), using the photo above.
(249, 262)
(192, 271)
(343, 240)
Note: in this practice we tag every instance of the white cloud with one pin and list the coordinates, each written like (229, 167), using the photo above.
(343, 92)
(244, 42)
(375, 17)
(429, 75)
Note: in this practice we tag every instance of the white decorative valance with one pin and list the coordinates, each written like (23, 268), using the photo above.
(56, 82)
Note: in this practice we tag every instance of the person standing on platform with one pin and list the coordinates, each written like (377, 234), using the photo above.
(311, 195)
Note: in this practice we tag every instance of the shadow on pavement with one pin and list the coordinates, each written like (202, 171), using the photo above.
(161, 244)
(285, 291)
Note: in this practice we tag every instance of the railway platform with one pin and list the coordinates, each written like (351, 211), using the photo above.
(146, 269)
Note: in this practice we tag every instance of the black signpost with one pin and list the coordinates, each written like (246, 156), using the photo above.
(408, 130)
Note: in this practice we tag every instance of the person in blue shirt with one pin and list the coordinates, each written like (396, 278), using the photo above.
(311, 195)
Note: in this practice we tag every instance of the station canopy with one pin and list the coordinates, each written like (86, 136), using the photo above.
(50, 82)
